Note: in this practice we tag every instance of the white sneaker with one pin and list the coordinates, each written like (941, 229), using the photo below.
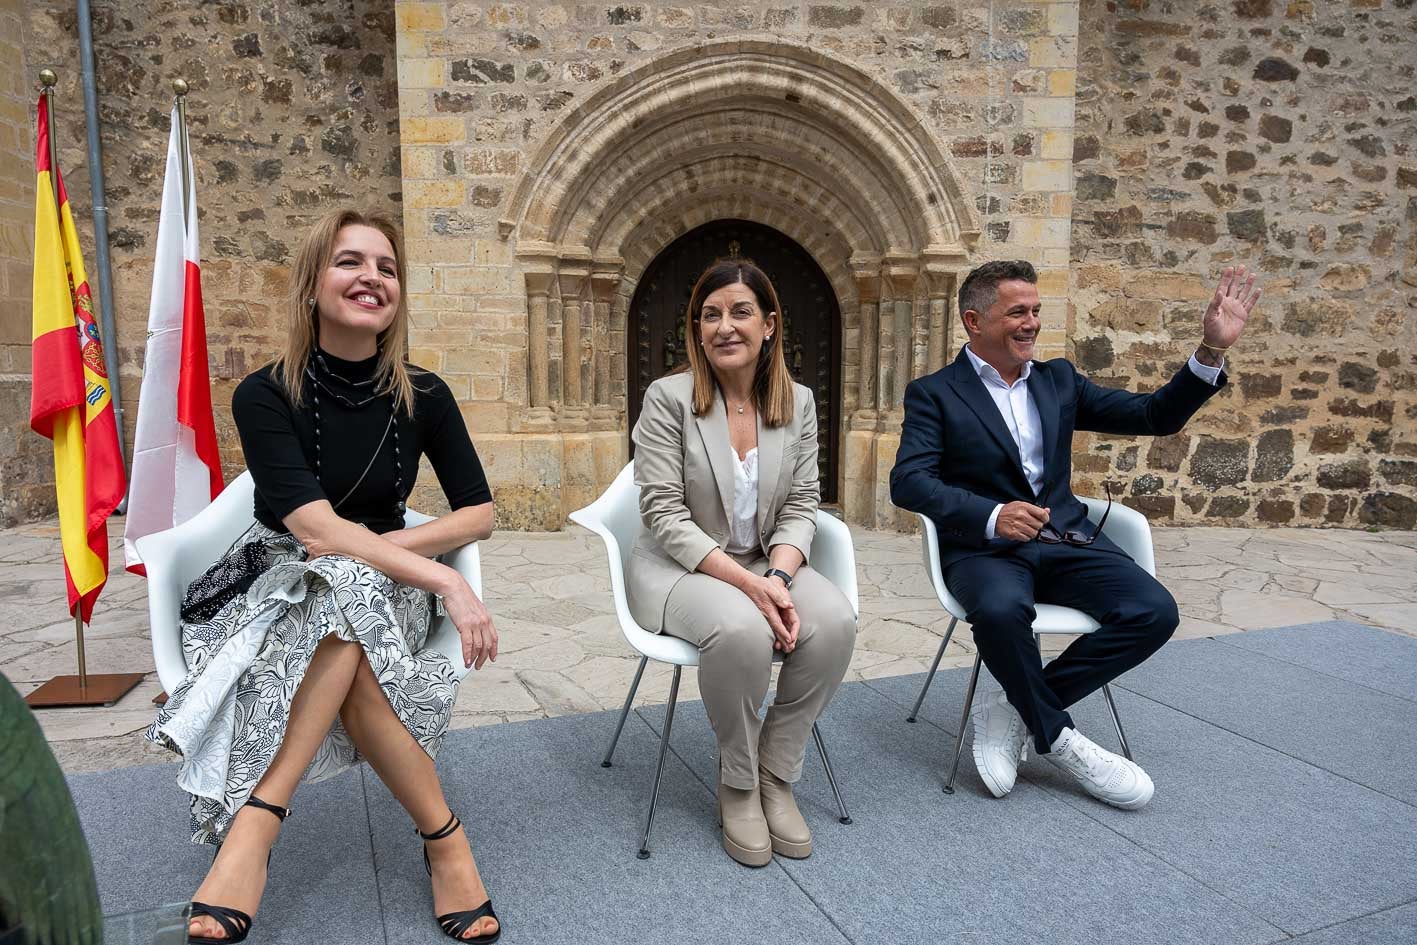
(1000, 742)
(1106, 776)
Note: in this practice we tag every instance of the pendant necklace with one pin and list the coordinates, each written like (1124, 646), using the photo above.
(317, 386)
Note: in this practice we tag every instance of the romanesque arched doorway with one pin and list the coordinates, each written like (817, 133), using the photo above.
(811, 317)
(729, 130)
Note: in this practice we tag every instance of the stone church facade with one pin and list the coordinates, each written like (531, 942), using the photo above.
(589, 139)
(563, 169)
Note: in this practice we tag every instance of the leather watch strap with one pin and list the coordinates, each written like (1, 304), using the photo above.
(786, 578)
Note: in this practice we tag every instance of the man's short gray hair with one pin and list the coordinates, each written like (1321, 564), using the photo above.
(980, 289)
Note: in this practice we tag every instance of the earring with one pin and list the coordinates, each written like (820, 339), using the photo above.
(310, 301)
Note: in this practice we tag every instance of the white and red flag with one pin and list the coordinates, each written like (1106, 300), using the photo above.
(176, 465)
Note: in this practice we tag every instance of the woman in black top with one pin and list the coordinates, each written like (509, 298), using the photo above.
(306, 642)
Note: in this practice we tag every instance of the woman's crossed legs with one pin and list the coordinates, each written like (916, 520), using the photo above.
(339, 682)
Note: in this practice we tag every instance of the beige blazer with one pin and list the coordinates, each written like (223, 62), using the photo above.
(684, 468)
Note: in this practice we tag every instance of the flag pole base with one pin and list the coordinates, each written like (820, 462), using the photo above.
(101, 689)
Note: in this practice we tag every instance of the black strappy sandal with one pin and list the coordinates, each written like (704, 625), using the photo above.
(454, 924)
(235, 923)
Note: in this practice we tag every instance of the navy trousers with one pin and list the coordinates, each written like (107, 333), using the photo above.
(999, 590)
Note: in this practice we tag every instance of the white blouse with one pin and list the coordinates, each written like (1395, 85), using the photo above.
(743, 529)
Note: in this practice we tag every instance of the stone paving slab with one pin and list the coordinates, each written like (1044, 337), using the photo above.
(562, 651)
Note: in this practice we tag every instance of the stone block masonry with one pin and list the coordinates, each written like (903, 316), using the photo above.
(1282, 136)
(543, 153)
(900, 143)
(26, 463)
(293, 111)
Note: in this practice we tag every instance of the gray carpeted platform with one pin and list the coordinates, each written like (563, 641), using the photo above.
(1285, 811)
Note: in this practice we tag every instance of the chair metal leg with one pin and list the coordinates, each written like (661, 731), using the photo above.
(845, 818)
(659, 769)
(963, 720)
(1116, 720)
(624, 712)
(930, 676)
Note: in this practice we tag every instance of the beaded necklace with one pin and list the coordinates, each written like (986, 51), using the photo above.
(317, 385)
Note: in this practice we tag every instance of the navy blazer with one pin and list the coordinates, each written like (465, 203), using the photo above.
(957, 460)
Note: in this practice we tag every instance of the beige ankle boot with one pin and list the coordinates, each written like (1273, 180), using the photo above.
(788, 831)
(745, 832)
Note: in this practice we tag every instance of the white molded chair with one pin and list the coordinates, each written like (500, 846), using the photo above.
(178, 556)
(615, 517)
(1127, 528)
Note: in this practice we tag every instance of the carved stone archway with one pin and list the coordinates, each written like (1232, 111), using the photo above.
(763, 131)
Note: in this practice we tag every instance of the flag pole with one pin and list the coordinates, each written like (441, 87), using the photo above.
(71, 690)
(179, 88)
(48, 79)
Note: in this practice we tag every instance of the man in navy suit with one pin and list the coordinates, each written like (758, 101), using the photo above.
(986, 453)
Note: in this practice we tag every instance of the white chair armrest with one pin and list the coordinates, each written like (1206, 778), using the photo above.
(173, 559)
(930, 552)
(834, 557)
(467, 561)
(615, 519)
(1127, 528)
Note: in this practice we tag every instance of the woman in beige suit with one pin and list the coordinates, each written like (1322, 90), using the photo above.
(726, 462)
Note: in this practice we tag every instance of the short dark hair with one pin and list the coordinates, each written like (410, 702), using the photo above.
(980, 289)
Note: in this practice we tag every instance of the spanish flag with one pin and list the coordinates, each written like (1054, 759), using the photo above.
(71, 403)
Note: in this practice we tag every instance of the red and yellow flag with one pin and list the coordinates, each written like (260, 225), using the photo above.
(71, 402)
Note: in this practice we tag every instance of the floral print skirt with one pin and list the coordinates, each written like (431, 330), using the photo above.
(227, 719)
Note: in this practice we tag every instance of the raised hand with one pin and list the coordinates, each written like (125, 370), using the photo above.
(1230, 308)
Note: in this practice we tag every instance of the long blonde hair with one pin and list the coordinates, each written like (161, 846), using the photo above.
(311, 259)
(772, 384)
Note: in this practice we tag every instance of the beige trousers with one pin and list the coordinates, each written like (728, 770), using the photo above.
(735, 667)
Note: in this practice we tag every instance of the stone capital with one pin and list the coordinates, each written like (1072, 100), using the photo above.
(572, 279)
(902, 273)
(866, 270)
(605, 279)
(940, 279)
(539, 281)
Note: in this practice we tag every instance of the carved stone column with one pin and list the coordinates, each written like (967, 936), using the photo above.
(572, 279)
(868, 292)
(899, 277)
(885, 343)
(538, 296)
(603, 285)
(939, 289)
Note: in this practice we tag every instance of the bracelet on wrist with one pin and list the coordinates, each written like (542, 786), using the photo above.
(1217, 349)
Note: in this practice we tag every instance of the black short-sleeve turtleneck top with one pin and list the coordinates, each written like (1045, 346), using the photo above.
(279, 441)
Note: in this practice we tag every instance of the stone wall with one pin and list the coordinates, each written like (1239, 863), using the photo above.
(1280, 135)
(550, 150)
(293, 111)
(26, 467)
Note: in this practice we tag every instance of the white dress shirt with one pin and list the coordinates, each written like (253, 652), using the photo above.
(1020, 414)
(743, 529)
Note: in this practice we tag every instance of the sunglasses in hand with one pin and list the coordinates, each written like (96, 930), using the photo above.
(1051, 536)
